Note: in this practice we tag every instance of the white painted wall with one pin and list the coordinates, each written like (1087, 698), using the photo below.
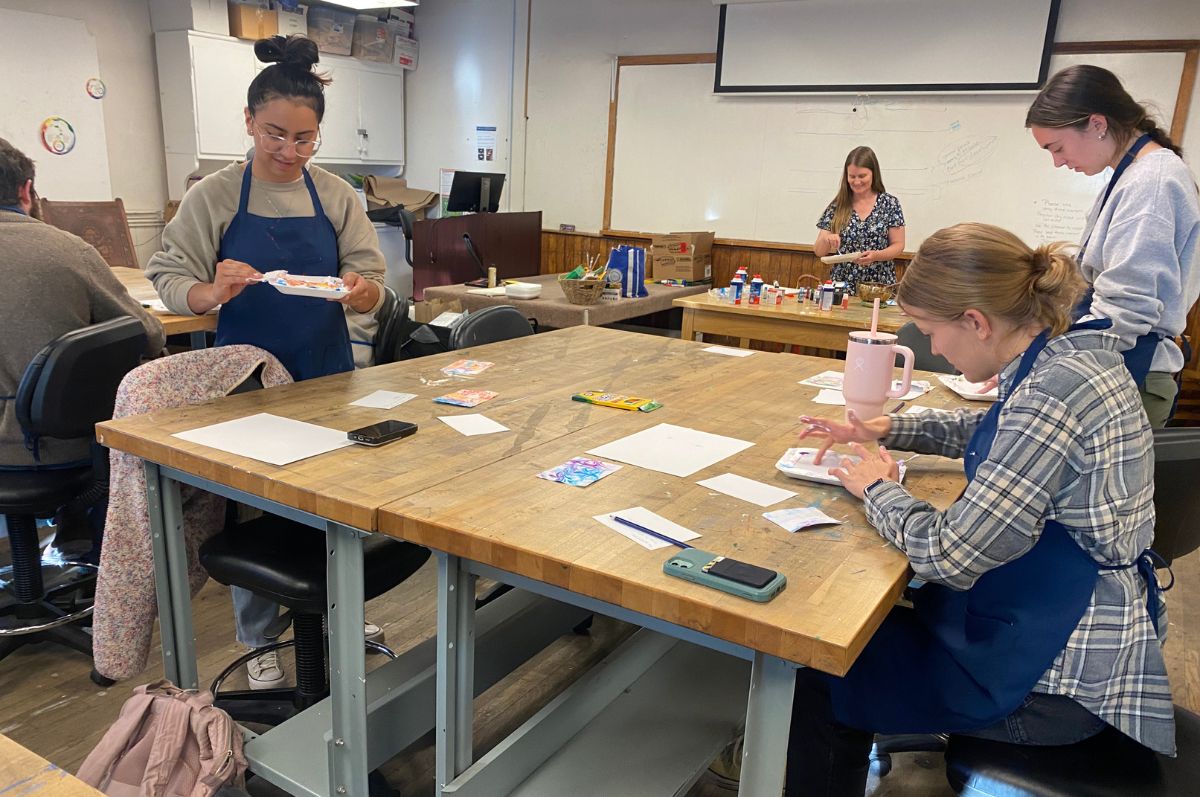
(561, 162)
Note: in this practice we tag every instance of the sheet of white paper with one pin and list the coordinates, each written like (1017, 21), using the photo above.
(156, 305)
(671, 449)
(917, 409)
(827, 396)
(383, 399)
(747, 489)
(644, 517)
(268, 438)
(729, 351)
(472, 424)
(799, 518)
(915, 390)
(446, 319)
(827, 379)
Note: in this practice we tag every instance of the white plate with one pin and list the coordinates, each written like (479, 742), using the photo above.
(522, 290)
(318, 286)
(846, 258)
(968, 390)
(798, 463)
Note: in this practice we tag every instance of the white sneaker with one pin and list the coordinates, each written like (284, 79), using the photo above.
(265, 671)
(373, 633)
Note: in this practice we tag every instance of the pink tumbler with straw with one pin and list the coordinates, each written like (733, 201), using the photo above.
(870, 357)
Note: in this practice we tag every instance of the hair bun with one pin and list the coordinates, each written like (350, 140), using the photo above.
(294, 51)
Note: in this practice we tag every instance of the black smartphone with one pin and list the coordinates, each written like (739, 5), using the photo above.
(383, 432)
(741, 572)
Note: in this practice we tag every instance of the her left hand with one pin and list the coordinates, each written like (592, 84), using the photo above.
(874, 464)
(867, 257)
(363, 293)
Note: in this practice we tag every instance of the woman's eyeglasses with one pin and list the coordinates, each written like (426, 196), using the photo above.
(304, 148)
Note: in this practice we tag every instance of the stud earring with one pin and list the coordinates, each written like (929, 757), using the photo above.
(1101, 136)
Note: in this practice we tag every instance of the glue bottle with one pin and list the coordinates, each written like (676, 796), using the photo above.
(778, 292)
(745, 275)
(827, 295)
(735, 287)
(756, 287)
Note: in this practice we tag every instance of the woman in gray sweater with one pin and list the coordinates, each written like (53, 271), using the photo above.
(1140, 250)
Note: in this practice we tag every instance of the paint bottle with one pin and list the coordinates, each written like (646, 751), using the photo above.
(778, 292)
(744, 274)
(756, 288)
(846, 301)
(735, 287)
(827, 296)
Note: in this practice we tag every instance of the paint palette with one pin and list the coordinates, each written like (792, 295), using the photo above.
(969, 390)
(849, 257)
(798, 463)
(297, 285)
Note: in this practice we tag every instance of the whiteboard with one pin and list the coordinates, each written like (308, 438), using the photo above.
(42, 81)
(763, 168)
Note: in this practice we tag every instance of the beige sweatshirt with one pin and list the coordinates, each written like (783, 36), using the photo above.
(191, 240)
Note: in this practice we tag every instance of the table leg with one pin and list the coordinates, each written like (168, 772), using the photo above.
(455, 670)
(768, 720)
(347, 661)
(687, 328)
(171, 579)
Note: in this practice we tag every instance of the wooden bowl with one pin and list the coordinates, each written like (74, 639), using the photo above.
(868, 292)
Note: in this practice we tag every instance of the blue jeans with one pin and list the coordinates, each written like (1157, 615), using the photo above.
(829, 759)
(252, 614)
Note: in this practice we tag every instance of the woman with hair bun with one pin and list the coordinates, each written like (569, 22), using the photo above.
(1140, 251)
(1040, 619)
(274, 212)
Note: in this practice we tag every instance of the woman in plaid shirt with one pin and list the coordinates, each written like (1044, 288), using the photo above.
(1040, 620)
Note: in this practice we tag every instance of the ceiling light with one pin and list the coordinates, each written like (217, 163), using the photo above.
(364, 5)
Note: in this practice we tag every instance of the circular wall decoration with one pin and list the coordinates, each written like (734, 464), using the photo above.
(96, 88)
(58, 136)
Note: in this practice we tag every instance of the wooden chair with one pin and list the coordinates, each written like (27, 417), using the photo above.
(101, 224)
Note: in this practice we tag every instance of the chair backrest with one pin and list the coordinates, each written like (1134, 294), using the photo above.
(923, 358)
(102, 224)
(393, 328)
(1176, 497)
(71, 384)
(490, 325)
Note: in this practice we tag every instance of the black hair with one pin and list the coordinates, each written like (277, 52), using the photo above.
(290, 75)
(15, 169)
(1075, 93)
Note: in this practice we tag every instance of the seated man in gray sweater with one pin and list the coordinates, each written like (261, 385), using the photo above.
(54, 283)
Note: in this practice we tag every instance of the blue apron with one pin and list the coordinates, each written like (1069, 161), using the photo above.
(307, 334)
(964, 660)
(1138, 358)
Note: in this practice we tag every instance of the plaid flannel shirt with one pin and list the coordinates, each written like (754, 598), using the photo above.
(1072, 445)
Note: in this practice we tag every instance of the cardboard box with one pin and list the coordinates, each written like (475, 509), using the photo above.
(293, 22)
(252, 19)
(372, 40)
(331, 29)
(404, 53)
(682, 256)
(403, 21)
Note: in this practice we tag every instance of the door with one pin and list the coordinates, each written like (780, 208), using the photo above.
(340, 141)
(381, 112)
(221, 73)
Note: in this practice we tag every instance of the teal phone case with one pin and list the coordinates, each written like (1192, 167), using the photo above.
(689, 564)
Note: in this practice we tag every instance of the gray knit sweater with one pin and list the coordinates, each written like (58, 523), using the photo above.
(53, 283)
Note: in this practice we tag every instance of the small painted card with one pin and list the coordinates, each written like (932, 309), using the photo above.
(579, 471)
(466, 397)
(466, 368)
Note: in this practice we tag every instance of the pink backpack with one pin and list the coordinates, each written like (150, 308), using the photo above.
(167, 742)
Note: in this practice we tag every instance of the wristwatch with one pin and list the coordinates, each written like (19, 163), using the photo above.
(878, 481)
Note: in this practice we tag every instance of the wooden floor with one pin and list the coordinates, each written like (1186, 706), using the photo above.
(48, 704)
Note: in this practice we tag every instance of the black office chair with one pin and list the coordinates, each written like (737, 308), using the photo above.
(65, 390)
(285, 561)
(923, 357)
(392, 329)
(490, 325)
(978, 767)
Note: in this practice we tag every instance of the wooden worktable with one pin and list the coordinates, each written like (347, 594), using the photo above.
(790, 323)
(25, 773)
(141, 289)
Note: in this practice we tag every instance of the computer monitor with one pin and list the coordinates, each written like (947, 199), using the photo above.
(475, 192)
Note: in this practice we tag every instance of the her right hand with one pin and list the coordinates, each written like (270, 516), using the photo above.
(231, 278)
(855, 430)
(832, 240)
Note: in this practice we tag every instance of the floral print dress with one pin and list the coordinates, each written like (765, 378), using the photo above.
(862, 235)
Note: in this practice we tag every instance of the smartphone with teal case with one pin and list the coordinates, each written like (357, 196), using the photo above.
(728, 575)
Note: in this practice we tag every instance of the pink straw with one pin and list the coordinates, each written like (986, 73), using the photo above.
(875, 320)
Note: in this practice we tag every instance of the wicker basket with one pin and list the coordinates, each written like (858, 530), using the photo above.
(868, 292)
(582, 291)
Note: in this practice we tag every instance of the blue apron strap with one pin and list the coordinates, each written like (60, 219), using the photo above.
(1126, 159)
(14, 209)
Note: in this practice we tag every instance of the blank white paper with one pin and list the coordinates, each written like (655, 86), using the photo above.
(471, 425)
(268, 438)
(747, 489)
(671, 449)
(383, 399)
(644, 517)
(728, 351)
(827, 396)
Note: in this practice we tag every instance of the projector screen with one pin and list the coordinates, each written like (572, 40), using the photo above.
(875, 46)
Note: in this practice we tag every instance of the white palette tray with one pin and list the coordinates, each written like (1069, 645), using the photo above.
(297, 285)
(798, 463)
(846, 258)
(968, 390)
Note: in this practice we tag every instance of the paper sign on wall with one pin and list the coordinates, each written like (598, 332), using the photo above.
(485, 142)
